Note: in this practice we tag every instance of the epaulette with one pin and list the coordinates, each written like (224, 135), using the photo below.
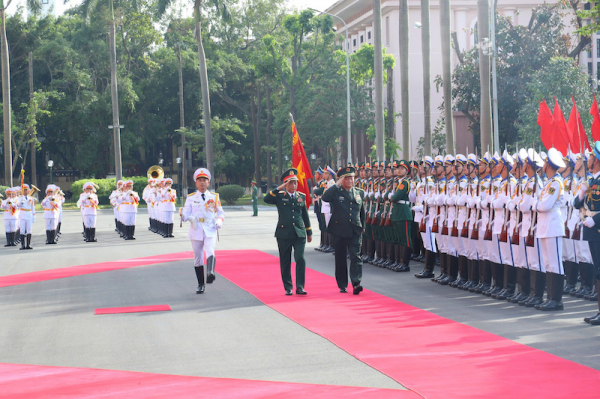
(189, 195)
(358, 188)
(301, 193)
(281, 192)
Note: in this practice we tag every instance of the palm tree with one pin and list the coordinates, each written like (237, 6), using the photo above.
(34, 7)
(447, 73)
(378, 77)
(426, 50)
(404, 79)
(485, 116)
(222, 8)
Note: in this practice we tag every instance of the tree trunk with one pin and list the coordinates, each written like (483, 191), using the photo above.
(445, 14)
(205, 96)
(426, 50)
(33, 164)
(115, 100)
(279, 153)
(268, 134)
(378, 81)
(391, 131)
(183, 182)
(6, 99)
(256, 113)
(404, 79)
(485, 116)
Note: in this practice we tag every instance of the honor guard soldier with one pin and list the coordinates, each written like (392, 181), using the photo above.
(50, 207)
(11, 217)
(458, 200)
(88, 203)
(402, 218)
(128, 204)
(466, 232)
(254, 199)
(148, 197)
(346, 226)
(168, 198)
(113, 198)
(325, 208)
(317, 208)
(293, 229)
(204, 212)
(26, 205)
(551, 230)
(587, 200)
(424, 214)
(481, 222)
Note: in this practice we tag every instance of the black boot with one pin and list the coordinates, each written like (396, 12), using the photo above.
(47, 237)
(595, 320)
(510, 283)
(523, 286)
(485, 273)
(171, 230)
(13, 239)
(405, 260)
(8, 240)
(22, 242)
(210, 269)
(587, 281)
(58, 229)
(555, 290)
(451, 270)
(463, 272)
(28, 242)
(538, 289)
(132, 232)
(200, 278)
(571, 269)
(53, 239)
(428, 266)
(93, 235)
(498, 276)
(443, 268)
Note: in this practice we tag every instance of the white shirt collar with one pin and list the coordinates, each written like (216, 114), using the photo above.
(596, 175)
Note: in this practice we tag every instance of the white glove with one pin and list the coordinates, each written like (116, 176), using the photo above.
(589, 222)
(582, 190)
(389, 196)
(533, 204)
(218, 224)
(471, 202)
(34, 219)
(377, 194)
(484, 204)
(417, 208)
(450, 200)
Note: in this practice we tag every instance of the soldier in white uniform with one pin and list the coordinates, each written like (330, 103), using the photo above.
(551, 229)
(466, 230)
(11, 217)
(147, 197)
(113, 198)
(128, 204)
(204, 212)
(26, 206)
(88, 203)
(50, 207)
(167, 207)
(458, 199)
(423, 214)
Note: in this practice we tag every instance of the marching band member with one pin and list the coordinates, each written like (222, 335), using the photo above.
(11, 217)
(51, 211)
(167, 207)
(147, 197)
(113, 198)
(26, 205)
(204, 212)
(128, 203)
(88, 203)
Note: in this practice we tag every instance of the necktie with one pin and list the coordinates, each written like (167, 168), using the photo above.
(203, 198)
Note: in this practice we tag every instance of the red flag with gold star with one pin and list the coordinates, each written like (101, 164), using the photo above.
(300, 162)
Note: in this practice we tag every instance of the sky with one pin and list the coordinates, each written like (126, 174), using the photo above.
(59, 5)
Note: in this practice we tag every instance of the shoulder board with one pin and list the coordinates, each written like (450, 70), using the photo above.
(189, 195)
(359, 189)
(281, 192)
(301, 193)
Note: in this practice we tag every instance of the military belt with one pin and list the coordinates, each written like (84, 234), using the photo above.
(403, 202)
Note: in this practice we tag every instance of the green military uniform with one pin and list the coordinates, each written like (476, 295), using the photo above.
(254, 199)
(293, 227)
(346, 225)
(402, 218)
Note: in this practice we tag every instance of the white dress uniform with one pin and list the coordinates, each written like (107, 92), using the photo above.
(446, 199)
(11, 218)
(532, 254)
(518, 250)
(50, 208)
(128, 203)
(326, 207)
(582, 253)
(168, 198)
(458, 201)
(88, 203)
(550, 226)
(204, 211)
(26, 206)
(113, 198)
(471, 194)
(500, 203)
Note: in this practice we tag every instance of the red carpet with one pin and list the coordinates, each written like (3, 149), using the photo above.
(133, 309)
(64, 272)
(432, 355)
(25, 381)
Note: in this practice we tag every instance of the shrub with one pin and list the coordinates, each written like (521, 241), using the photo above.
(230, 193)
(3, 192)
(106, 187)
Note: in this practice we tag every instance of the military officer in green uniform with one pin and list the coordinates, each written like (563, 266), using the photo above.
(402, 215)
(587, 199)
(346, 226)
(254, 198)
(293, 229)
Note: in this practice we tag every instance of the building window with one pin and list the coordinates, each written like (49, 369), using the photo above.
(590, 69)
(387, 31)
(598, 70)
(361, 38)
(597, 48)
(354, 42)
(369, 35)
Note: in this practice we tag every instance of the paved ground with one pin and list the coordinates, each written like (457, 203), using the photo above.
(226, 332)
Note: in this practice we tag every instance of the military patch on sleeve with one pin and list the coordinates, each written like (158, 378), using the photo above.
(402, 185)
(551, 190)
(529, 191)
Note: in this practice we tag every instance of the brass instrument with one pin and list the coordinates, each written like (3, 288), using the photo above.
(33, 191)
(155, 172)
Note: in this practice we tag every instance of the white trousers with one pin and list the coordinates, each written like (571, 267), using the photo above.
(519, 256)
(532, 254)
(494, 250)
(89, 221)
(582, 251)
(25, 226)
(506, 252)
(551, 254)
(128, 218)
(11, 225)
(327, 217)
(207, 246)
(51, 223)
(459, 244)
(168, 218)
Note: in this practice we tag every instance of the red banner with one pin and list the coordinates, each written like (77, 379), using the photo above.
(300, 162)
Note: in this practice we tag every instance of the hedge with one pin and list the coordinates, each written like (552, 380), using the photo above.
(3, 192)
(230, 193)
(107, 186)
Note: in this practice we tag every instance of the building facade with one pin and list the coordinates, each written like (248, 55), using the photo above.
(358, 15)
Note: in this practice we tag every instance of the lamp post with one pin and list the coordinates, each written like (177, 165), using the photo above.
(51, 165)
(347, 49)
(178, 160)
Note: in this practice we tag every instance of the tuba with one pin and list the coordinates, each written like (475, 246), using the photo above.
(155, 172)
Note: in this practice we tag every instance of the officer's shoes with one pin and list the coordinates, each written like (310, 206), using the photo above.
(200, 289)
(550, 305)
(210, 278)
(424, 274)
(357, 289)
(288, 292)
(518, 298)
(568, 289)
(525, 301)
(403, 268)
(587, 319)
(439, 278)
(300, 291)
(343, 290)
(447, 280)
(536, 300)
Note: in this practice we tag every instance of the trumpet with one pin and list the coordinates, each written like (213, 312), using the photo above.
(130, 194)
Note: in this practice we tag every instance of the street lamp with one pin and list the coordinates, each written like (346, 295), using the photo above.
(347, 48)
(178, 160)
(50, 165)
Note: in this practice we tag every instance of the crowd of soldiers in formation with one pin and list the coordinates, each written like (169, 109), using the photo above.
(510, 227)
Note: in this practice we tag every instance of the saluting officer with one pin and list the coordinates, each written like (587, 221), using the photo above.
(346, 226)
(293, 229)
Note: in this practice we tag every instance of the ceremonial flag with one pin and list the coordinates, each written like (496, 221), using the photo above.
(563, 136)
(595, 120)
(578, 131)
(300, 162)
(546, 122)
